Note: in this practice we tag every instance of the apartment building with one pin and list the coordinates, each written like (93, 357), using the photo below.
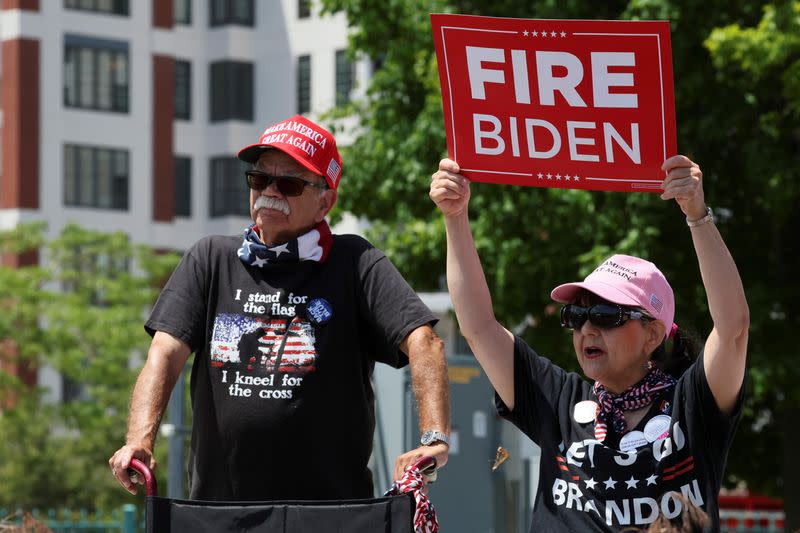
(127, 115)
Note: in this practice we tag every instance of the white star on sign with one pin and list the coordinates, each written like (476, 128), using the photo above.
(652, 480)
(631, 483)
(540, 175)
(549, 176)
(590, 483)
(610, 483)
(563, 34)
(552, 34)
(566, 177)
(576, 178)
(260, 261)
(525, 33)
(535, 33)
(280, 249)
(558, 177)
(544, 34)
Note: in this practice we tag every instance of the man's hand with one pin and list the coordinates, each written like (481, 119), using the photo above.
(684, 183)
(439, 451)
(165, 360)
(121, 461)
(449, 189)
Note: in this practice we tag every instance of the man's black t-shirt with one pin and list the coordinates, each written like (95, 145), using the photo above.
(282, 402)
(586, 485)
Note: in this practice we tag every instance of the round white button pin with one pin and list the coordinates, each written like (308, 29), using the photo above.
(632, 440)
(657, 428)
(585, 411)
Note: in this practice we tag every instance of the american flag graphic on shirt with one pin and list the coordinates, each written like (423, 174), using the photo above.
(260, 342)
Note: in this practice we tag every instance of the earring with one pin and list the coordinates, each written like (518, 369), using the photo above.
(648, 365)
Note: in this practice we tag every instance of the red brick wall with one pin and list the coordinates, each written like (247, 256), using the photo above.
(27, 5)
(19, 187)
(19, 260)
(163, 153)
(162, 14)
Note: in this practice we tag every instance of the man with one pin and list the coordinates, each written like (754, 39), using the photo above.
(286, 326)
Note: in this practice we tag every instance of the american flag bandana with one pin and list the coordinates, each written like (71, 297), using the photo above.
(311, 246)
(612, 406)
(424, 515)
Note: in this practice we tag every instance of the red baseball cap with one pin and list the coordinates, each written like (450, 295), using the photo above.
(304, 141)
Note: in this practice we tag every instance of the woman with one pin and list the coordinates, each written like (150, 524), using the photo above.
(616, 450)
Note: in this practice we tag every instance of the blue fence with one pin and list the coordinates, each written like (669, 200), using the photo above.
(122, 520)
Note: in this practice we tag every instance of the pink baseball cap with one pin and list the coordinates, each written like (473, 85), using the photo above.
(629, 281)
(307, 143)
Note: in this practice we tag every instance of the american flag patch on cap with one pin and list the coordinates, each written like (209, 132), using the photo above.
(655, 302)
(333, 170)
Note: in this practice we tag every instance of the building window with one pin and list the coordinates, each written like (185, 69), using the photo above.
(303, 84)
(231, 91)
(345, 77)
(95, 177)
(113, 7)
(183, 186)
(239, 12)
(182, 12)
(183, 90)
(96, 74)
(72, 390)
(229, 193)
(303, 9)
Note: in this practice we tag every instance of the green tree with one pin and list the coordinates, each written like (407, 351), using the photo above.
(758, 66)
(736, 84)
(80, 312)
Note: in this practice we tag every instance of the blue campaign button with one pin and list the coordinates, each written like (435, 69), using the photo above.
(319, 311)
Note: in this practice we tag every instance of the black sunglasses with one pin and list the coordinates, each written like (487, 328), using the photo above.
(287, 185)
(603, 316)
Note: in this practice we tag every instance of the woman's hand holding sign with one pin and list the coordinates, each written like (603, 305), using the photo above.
(684, 183)
(449, 189)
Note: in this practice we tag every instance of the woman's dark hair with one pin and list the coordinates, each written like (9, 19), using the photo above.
(685, 348)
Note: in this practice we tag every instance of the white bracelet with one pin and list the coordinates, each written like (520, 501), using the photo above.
(702, 220)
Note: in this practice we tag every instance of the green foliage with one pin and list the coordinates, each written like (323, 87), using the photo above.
(757, 67)
(80, 313)
(737, 85)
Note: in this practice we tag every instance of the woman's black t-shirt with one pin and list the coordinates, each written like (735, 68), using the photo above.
(586, 485)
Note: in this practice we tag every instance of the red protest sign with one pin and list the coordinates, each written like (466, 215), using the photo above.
(557, 103)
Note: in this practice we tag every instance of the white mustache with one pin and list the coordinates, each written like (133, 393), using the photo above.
(268, 202)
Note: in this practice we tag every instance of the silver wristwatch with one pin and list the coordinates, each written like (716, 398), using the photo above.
(709, 217)
(432, 436)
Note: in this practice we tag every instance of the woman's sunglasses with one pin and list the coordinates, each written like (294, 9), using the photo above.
(605, 316)
(287, 185)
